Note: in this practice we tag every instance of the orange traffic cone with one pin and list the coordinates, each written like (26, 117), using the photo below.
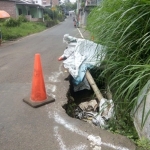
(38, 93)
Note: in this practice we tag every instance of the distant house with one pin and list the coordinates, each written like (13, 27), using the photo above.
(83, 10)
(46, 3)
(9, 6)
(32, 11)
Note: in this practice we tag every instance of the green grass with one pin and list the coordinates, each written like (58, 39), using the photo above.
(123, 27)
(26, 28)
(143, 144)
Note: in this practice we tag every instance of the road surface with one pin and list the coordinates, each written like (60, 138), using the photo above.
(47, 127)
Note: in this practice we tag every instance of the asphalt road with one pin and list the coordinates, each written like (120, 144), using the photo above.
(47, 127)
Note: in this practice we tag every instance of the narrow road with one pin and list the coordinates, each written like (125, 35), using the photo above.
(21, 126)
(48, 127)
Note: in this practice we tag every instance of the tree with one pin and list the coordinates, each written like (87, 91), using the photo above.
(67, 6)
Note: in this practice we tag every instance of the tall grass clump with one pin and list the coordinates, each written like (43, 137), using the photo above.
(25, 28)
(11, 22)
(123, 27)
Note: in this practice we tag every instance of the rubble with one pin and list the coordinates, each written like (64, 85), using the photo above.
(80, 56)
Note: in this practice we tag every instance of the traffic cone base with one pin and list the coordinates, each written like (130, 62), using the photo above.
(40, 103)
(38, 95)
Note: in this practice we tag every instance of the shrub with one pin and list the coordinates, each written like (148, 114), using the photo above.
(47, 18)
(61, 17)
(144, 144)
(2, 20)
(12, 23)
(22, 18)
(51, 23)
(48, 12)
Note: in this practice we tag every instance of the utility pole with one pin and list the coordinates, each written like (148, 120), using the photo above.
(51, 2)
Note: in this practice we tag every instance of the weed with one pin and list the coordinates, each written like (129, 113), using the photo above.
(12, 22)
(26, 28)
(123, 28)
(143, 144)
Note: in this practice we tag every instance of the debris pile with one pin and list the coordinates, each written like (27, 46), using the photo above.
(96, 113)
(80, 56)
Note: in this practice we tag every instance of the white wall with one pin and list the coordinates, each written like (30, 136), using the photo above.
(143, 101)
(39, 2)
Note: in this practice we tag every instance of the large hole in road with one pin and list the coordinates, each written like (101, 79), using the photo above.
(76, 98)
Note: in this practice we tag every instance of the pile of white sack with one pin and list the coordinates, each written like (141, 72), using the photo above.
(81, 54)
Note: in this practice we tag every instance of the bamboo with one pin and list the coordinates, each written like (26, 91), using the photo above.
(93, 85)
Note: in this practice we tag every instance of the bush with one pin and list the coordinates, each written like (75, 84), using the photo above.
(61, 17)
(51, 23)
(144, 144)
(48, 12)
(22, 18)
(12, 23)
(47, 18)
(2, 20)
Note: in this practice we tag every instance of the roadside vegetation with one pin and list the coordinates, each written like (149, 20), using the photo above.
(14, 28)
(123, 27)
(11, 29)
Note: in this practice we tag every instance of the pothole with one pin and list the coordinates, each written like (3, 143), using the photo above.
(83, 104)
(76, 98)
